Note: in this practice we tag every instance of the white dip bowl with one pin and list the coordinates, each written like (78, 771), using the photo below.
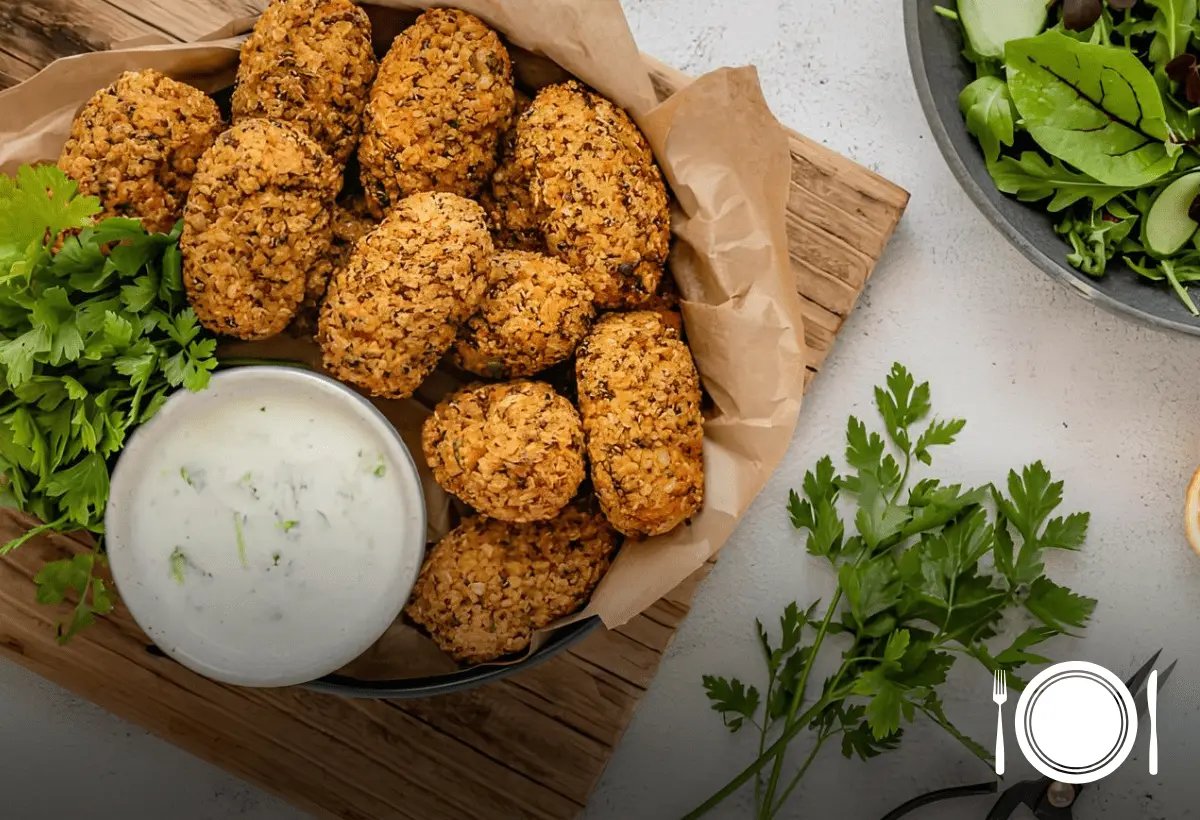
(267, 530)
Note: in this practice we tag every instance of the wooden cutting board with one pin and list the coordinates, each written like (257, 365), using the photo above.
(532, 746)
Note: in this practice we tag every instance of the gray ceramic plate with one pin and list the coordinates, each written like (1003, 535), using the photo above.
(941, 72)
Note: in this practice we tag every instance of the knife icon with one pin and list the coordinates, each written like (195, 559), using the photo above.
(1152, 702)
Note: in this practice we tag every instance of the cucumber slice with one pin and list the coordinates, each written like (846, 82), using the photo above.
(990, 24)
(1168, 227)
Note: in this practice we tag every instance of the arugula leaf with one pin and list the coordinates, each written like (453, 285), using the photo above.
(1032, 179)
(1095, 107)
(987, 106)
(1173, 30)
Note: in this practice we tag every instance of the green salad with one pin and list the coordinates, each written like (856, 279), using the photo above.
(1092, 108)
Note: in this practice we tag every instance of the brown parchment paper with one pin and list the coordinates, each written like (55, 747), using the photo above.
(727, 162)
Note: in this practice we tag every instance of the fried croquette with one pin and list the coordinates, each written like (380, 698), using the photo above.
(507, 199)
(443, 96)
(257, 220)
(535, 313)
(598, 192)
(512, 451)
(135, 145)
(309, 63)
(639, 398)
(488, 585)
(397, 306)
(350, 222)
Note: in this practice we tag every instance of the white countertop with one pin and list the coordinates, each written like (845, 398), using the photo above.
(1038, 373)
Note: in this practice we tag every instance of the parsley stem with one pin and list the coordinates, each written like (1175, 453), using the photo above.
(798, 696)
(903, 479)
(5, 549)
(800, 774)
(776, 748)
(762, 740)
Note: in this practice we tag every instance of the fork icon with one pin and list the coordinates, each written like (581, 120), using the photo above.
(1000, 697)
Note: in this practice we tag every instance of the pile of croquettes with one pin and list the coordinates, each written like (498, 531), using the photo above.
(415, 211)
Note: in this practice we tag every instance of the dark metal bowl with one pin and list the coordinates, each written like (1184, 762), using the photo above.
(941, 72)
(460, 681)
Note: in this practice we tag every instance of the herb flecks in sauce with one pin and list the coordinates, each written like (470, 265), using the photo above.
(241, 540)
(178, 562)
(381, 468)
(286, 526)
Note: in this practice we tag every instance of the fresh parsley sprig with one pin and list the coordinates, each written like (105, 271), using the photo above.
(94, 334)
(926, 572)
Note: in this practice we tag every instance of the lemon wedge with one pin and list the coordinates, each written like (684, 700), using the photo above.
(1191, 513)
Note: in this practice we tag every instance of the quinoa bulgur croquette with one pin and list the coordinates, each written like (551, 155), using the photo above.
(436, 111)
(598, 192)
(512, 451)
(535, 313)
(507, 199)
(639, 397)
(257, 220)
(395, 309)
(135, 145)
(488, 585)
(350, 223)
(309, 63)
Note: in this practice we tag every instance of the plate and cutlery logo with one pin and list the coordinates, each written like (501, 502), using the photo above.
(1077, 722)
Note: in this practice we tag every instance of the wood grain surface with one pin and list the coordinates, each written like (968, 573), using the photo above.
(532, 746)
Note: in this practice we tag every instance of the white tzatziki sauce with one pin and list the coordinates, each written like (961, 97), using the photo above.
(268, 530)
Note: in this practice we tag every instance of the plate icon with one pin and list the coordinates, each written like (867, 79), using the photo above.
(1076, 722)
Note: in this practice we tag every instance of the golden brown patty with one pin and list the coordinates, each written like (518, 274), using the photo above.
(350, 222)
(534, 315)
(136, 143)
(512, 451)
(257, 220)
(392, 312)
(639, 396)
(309, 63)
(508, 201)
(488, 585)
(443, 96)
(598, 192)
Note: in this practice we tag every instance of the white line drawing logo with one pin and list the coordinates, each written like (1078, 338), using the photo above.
(1077, 722)
(1152, 703)
(1000, 697)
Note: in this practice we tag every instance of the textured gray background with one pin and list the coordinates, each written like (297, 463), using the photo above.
(1039, 373)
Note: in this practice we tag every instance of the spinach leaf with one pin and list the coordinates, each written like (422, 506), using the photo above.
(987, 106)
(1031, 179)
(1095, 107)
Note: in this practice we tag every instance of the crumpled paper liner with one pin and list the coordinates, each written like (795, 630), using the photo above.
(727, 162)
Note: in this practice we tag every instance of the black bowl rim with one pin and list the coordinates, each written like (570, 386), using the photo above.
(460, 681)
(1054, 267)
